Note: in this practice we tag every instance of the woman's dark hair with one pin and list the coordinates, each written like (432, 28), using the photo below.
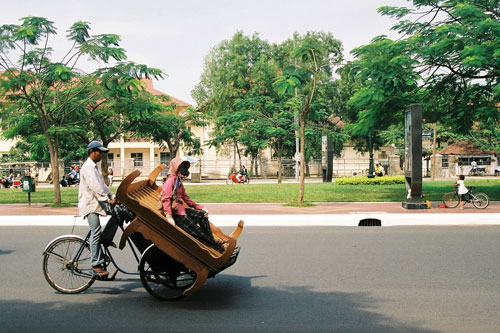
(462, 177)
(184, 168)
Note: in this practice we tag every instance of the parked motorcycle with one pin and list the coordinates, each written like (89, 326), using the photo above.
(10, 182)
(5, 183)
(68, 181)
(235, 178)
(477, 172)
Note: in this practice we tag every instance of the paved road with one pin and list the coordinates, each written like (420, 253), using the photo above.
(346, 279)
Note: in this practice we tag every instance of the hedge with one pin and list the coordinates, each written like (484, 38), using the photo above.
(385, 180)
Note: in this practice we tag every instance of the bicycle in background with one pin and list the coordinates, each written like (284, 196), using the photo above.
(479, 200)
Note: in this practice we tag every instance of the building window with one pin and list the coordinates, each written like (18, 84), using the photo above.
(111, 163)
(164, 159)
(480, 160)
(444, 162)
(137, 159)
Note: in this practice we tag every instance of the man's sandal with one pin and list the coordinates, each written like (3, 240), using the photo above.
(99, 271)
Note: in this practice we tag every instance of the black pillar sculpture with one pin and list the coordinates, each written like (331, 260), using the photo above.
(413, 158)
(327, 158)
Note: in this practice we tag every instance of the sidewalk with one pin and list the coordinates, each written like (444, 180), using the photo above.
(275, 214)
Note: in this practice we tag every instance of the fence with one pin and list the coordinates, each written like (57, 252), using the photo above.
(218, 169)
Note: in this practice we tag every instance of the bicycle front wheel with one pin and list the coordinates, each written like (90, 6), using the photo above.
(480, 201)
(61, 271)
(451, 199)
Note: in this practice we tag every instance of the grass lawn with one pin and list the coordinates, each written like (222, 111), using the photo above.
(314, 192)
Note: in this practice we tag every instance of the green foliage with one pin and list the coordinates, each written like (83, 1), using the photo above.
(313, 57)
(387, 180)
(170, 128)
(248, 91)
(51, 95)
(388, 85)
(286, 83)
(235, 70)
(455, 43)
(444, 59)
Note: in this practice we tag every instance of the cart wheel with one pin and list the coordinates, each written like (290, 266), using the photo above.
(451, 200)
(59, 271)
(229, 181)
(163, 277)
(481, 201)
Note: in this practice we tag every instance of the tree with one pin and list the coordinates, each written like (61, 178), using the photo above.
(115, 107)
(315, 54)
(270, 122)
(388, 85)
(32, 145)
(167, 127)
(231, 73)
(457, 46)
(236, 93)
(48, 90)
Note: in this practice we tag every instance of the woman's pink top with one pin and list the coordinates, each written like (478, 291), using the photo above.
(166, 198)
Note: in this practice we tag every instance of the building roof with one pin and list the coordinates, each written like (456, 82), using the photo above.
(464, 148)
(149, 88)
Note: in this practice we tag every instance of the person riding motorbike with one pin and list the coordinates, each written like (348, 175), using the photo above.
(72, 178)
(244, 172)
(73, 175)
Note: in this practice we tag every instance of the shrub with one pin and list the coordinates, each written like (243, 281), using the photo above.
(387, 180)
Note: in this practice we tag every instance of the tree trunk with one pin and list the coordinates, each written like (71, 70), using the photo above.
(173, 148)
(54, 164)
(238, 152)
(302, 159)
(370, 151)
(104, 168)
(280, 166)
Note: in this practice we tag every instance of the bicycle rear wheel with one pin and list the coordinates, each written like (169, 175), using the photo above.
(61, 272)
(480, 201)
(451, 199)
(163, 277)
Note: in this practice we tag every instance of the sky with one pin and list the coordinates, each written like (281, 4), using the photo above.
(176, 36)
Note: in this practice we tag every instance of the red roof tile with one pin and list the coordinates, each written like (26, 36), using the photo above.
(149, 88)
(464, 148)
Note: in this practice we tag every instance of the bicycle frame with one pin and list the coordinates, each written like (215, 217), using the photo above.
(108, 253)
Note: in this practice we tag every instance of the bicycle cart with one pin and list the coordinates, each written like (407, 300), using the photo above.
(171, 263)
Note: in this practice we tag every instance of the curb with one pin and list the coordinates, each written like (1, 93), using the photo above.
(348, 220)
